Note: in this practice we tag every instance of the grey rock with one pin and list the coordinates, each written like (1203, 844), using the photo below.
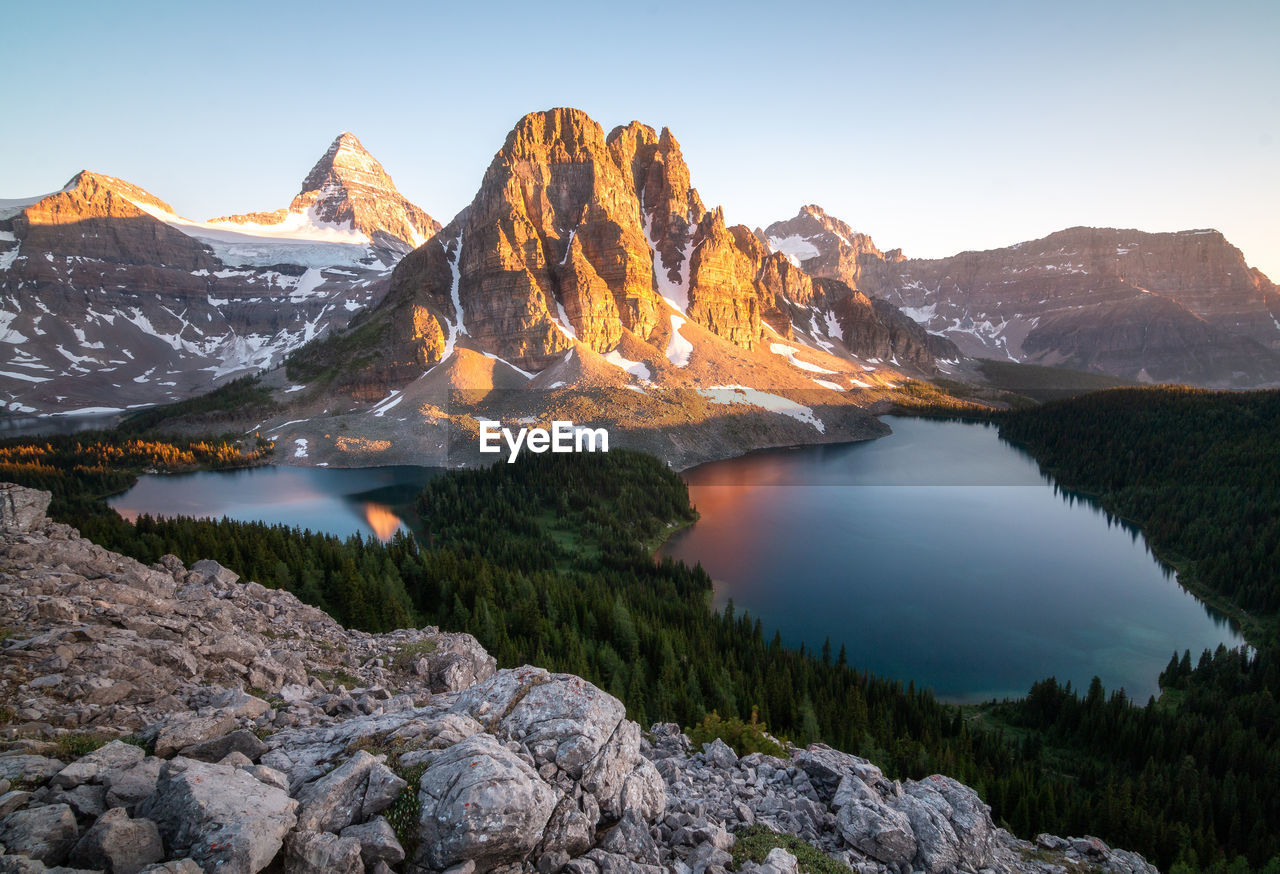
(240, 704)
(118, 844)
(195, 799)
(631, 839)
(612, 863)
(553, 862)
(46, 834)
(720, 755)
(30, 769)
(185, 730)
(969, 818)
(481, 802)
(270, 776)
(779, 861)
(879, 831)
(87, 800)
(177, 866)
(209, 573)
(27, 865)
(1052, 842)
(22, 509)
(309, 852)
(13, 800)
(127, 788)
(937, 847)
(378, 842)
(383, 789)
(113, 757)
(214, 750)
(336, 800)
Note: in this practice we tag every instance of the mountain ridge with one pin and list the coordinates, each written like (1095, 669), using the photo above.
(1178, 306)
(111, 300)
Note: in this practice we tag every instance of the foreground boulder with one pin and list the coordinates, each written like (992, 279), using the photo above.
(118, 845)
(220, 817)
(46, 834)
(482, 803)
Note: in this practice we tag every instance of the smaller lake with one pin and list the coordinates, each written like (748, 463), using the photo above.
(372, 501)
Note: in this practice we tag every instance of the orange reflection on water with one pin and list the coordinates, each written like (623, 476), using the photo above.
(380, 518)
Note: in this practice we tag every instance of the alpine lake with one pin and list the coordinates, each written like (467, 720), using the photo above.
(938, 555)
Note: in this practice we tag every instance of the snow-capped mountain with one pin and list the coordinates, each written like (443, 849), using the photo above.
(1163, 307)
(111, 300)
(587, 281)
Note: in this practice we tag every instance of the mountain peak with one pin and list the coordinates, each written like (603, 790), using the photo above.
(347, 163)
(348, 186)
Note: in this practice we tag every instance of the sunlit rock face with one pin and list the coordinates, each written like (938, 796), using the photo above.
(575, 235)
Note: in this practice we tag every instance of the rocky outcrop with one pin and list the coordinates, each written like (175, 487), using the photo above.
(113, 643)
(467, 768)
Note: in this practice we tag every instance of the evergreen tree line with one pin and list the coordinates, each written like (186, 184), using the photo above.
(1199, 473)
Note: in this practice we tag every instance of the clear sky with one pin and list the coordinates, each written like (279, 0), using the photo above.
(935, 127)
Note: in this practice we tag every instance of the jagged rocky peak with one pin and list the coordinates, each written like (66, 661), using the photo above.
(671, 207)
(550, 250)
(349, 189)
(103, 218)
(822, 244)
(575, 235)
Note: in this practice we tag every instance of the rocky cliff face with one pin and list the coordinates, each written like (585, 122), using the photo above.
(109, 300)
(375, 753)
(1176, 307)
(575, 235)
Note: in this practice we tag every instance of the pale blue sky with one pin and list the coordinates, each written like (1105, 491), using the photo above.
(932, 127)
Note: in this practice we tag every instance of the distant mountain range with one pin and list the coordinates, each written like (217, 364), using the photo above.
(587, 280)
(108, 299)
(1175, 307)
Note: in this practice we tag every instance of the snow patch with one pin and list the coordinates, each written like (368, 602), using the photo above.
(678, 349)
(834, 386)
(526, 374)
(25, 377)
(300, 448)
(740, 394)
(789, 352)
(387, 403)
(795, 247)
(635, 368)
(833, 326)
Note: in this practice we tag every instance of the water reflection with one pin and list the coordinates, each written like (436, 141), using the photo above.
(373, 502)
(940, 555)
(383, 522)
